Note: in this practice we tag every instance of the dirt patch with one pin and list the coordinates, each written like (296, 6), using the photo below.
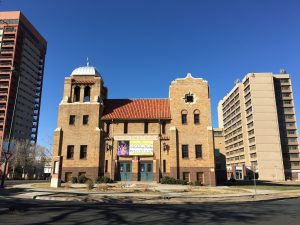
(124, 188)
(214, 191)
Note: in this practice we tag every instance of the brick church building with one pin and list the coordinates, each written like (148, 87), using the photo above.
(133, 139)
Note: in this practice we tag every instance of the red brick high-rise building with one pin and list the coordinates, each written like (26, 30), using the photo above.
(22, 58)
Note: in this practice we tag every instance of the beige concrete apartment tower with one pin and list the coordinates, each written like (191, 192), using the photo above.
(192, 127)
(77, 136)
(263, 127)
(256, 129)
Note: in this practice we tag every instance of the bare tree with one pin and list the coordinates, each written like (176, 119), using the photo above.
(28, 160)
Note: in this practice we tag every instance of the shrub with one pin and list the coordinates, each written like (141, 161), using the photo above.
(74, 180)
(198, 183)
(182, 182)
(103, 179)
(82, 179)
(89, 184)
(171, 180)
(168, 180)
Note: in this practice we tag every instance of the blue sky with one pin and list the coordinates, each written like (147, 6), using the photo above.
(140, 46)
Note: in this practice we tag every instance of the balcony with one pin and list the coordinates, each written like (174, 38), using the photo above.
(294, 159)
(4, 84)
(2, 106)
(6, 50)
(10, 29)
(288, 110)
(3, 92)
(5, 63)
(287, 103)
(292, 140)
(9, 36)
(291, 133)
(285, 83)
(285, 89)
(5, 69)
(8, 43)
(3, 99)
(5, 56)
(4, 78)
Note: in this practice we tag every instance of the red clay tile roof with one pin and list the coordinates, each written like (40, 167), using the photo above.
(133, 109)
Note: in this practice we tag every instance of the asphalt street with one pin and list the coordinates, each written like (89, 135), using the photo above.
(17, 211)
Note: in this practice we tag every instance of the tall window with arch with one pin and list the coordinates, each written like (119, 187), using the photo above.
(197, 116)
(76, 94)
(87, 93)
(184, 116)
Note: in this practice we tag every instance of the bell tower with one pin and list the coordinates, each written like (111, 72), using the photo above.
(191, 130)
(76, 144)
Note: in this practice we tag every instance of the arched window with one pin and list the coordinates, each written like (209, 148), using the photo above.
(184, 116)
(196, 116)
(87, 92)
(77, 94)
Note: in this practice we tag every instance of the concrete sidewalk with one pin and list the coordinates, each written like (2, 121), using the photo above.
(156, 193)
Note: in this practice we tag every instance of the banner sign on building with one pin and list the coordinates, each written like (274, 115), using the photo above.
(139, 147)
(135, 148)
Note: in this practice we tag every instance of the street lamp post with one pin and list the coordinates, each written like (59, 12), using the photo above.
(254, 180)
(11, 127)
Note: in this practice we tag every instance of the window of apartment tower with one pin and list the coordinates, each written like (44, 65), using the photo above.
(185, 151)
(184, 117)
(186, 176)
(85, 119)
(87, 91)
(77, 94)
(196, 116)
(163, 127)
(146, 127)
(198, 150)
(70, 151)
(72, 119)
(83, 151)
(125, 128)
(164, 166)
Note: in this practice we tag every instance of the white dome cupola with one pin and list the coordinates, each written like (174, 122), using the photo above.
(86, 71)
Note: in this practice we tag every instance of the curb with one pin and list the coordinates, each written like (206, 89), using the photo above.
(134, 198)
(4, 210)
